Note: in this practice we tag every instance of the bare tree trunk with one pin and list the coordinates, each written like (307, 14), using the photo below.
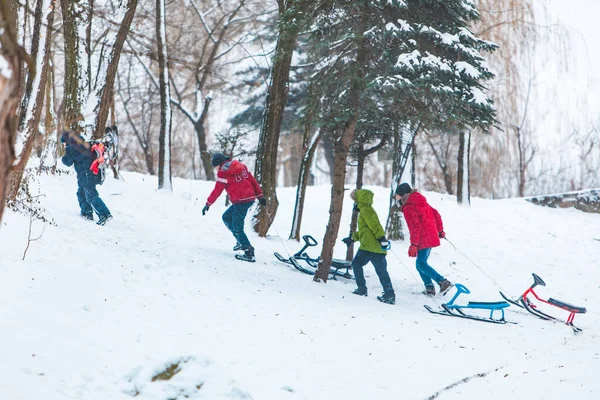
(106, 91)
(303, 177)
(36, 86)
(442, 160)
(291, 16)
(10, 79)
(342, 146)
(164, 140)
(329, 149)
(463, 195)
(393, 226)
(205, 156)
(50, 142)
(360, 169)
(73, 92)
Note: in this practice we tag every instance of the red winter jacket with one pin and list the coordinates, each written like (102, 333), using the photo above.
(233, 176)
(424, 222)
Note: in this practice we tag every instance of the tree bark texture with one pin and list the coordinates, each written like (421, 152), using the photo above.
(360, 169)
(30, 128)
(393, 226)
(342, 147)
(164, 139)
(201, 134)
(72, 92)
(10, 83)
(462, 176)
(309, 154)
(268, 143)
(106, 91)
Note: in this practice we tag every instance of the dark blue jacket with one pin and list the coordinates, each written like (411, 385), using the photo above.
(77, 152)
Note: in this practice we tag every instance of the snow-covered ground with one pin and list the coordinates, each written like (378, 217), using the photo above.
(95, 312)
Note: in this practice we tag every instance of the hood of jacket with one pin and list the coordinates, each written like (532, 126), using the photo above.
(232, 168)
(365, 197)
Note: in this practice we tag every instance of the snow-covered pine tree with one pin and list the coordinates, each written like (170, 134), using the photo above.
(439, 72)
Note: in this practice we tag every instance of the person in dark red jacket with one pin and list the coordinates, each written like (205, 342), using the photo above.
(242, 188)
(426, 229)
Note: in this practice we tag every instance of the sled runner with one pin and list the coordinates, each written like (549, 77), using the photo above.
(338, 267)
(451, 309)
(524, 302)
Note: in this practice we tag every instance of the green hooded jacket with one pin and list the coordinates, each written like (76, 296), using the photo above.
(369, 228)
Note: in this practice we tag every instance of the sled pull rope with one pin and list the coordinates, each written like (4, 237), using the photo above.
(271, 219)
(478, 267)
(411, 274)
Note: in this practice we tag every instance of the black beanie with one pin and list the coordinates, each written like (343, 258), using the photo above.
(218, 159)
(403, 189)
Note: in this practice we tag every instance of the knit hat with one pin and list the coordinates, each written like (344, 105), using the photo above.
(403, 189)
(218, 159)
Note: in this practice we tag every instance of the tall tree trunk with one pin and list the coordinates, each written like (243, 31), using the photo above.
(50, 140)
(342, 147)
(106, 91)
(329, 150)
(290, 18)
(164, 139)
(12, 56)
(393, 226)
(360, 170)
(31, 109)
(463, 196)
(303, 176)
(205, 156)
(76, 79)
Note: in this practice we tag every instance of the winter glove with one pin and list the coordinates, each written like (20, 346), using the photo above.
(205, 209)
(348, 241)
(385, 244)
(413, 250)
(262, 201)
(442, 235)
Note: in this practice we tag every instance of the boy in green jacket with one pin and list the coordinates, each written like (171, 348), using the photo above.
(373, 246)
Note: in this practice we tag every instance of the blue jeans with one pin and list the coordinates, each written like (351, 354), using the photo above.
(361, 259)
(234, 217)
(427, 273)
(88, 196)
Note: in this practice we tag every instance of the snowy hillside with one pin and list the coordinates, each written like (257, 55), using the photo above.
(95, 312)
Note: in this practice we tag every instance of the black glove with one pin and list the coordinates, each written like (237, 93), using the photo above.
(262, 201)
(205, 209)
(348, 241)
(385, 244)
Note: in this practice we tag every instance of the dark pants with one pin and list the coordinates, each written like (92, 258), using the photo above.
(234, 218)
(427, 273)
(88, 197)
(361, 259)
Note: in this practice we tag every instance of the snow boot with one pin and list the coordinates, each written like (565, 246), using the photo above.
(248, 254)
(238, 247)
(429, 290)
(104, 219)
(360, 291)
(445, 285)
(89, 216)
(387, 298)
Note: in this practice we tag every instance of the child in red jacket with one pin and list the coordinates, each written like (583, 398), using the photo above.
(426, 229)
(242, 188)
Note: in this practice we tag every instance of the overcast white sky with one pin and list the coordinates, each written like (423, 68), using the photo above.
(580, 17)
